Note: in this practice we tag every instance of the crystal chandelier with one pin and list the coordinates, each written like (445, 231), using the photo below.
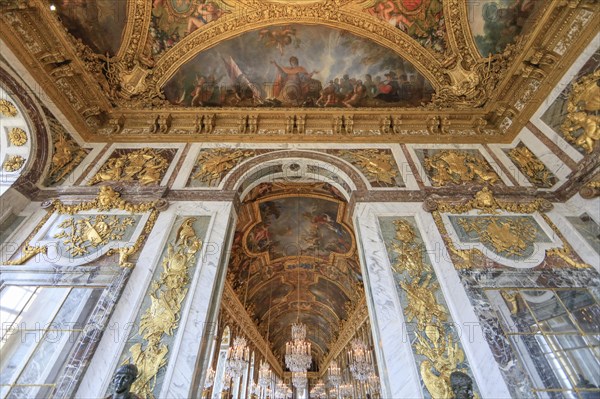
(299, 379)
(297, 351)
(346, 390)
(359, 356)
(264, 374)
(237, 357)
(210, 378)
(373, 382)
(335, 374)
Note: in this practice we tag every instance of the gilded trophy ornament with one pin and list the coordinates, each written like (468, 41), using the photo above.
(13, 163)
(378, 166)
(443, 356)
(67, 155)
(535, 171)
(581, 126)
(88, 232)
(508, 237)
(17, 137)
(7, 108)
(145, 166)
(213, 164)
(458, 167)
(161, 318)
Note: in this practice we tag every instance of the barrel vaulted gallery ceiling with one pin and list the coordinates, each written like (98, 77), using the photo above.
(247, 70)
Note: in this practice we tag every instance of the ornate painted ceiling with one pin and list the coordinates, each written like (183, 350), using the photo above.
(238, 70)
(294, 258)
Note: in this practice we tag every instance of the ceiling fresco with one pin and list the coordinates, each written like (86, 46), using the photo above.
(461, 70)
(172, 20)
(294, 257)
(498, 23)
(298, 65)
(98, 23)
(423, 20)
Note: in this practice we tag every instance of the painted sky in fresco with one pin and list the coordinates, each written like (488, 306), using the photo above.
(99, 23)
(242, 69)
(497, 23)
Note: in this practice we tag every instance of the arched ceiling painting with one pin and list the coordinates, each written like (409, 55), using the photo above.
(294, 258)
(298, 65)
(498, 23)
(99, 23)
(459, 70)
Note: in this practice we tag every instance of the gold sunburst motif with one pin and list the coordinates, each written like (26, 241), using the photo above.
(13, 163)
(507, 236)
(213, 164)
(458, 167)
(17, 137)
(81, 235)
(7, 108)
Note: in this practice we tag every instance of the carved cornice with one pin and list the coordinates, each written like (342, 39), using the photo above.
(232, 305)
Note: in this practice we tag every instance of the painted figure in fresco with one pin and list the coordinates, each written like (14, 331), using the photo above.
(294, 83)
(357, 96)
(389, 88)
(204, 14)
(122, 381)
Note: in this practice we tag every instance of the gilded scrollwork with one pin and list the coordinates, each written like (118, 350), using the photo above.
(161, 317)
(7, 108)
(582, 124)
(145, 166)
(17, 137)
(213, 164)
(13, 163)
(440, 355)
(458, 167)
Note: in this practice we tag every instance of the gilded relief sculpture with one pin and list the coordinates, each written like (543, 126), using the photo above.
(145, 166)
(535, 171)
(17, 137)
(439, 354)
(13, 163)
(67, 155)
(213, 164)
(581, 126)
(458, 167)
(80, 235)
(7, 108)
(507, 235)
(161, 318)
(378, 166)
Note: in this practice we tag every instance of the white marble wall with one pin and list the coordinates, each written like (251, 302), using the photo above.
(182, 358)
(397, 371)
(399, 374)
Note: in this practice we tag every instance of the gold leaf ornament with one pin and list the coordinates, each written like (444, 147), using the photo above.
(17, 137)
(13, 163)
